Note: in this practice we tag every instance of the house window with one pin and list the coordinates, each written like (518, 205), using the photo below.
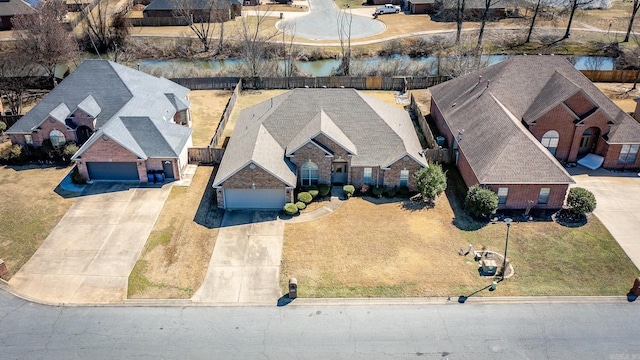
(366, 178)
(550, 141)
(57, 138)
(309, 173)
(404, 177)
(543, 198)
(628, 153)
(182, 117)
(28, 139)
(502, 195)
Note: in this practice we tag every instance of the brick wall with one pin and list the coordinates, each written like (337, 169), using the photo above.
(520, 194)
(377, 176)
(244, 179)
(466, 172)
(611, 159)
(392, 176)
(82, 118)
(318, 157)
(109, 151)
(579, 104)
(561, 120)
(47, 127)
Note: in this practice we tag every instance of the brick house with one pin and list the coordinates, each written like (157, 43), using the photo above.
(520, 118)
(11, 8)
(128, 123)
(198, 10)
(315, 136)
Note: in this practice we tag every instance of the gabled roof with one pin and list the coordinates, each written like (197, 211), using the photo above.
(60, 113)
(178, 103)
(490, 110)
(90, 106)
(370, 129)
(187, 4)
(15, 7)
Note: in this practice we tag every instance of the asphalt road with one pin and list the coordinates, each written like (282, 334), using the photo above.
(454, 331)
(322, 23)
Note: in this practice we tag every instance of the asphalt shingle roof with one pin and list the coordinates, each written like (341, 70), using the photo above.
(373, 130)
(491, 108)
(187, 4)
(15, 7)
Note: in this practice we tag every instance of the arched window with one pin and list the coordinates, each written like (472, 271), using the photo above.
(550, 141)
(57, 138)
(309, 173)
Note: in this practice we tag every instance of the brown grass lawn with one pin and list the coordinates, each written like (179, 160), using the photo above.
(206, 109)
(617, 15)
(621, 95)
(175, 258)
(276, 8)
(29, 210)
(371, 248)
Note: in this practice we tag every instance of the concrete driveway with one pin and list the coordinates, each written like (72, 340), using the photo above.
(88, 256)
(618, 197)
(245, 264)
(321, 23)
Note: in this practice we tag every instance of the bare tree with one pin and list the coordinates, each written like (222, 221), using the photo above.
(459, 18)
(533, 21)
(255, 39)
(634, 11)
(462, 58)
(106, 25)
(201, 17)
(43, 39)
(288, 48)
(345, 19)
(485, 16)
(572, 6)
(15, 71)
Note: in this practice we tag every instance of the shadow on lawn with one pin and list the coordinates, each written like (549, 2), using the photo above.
(208, 214)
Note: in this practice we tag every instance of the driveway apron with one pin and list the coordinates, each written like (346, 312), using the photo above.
(88, 256)
(618, 205)
(245, 264)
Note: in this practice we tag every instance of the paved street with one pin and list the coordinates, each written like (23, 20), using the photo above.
(245, 264)
(88, 256)
(321, 23)
(455, 331)
(618, 197)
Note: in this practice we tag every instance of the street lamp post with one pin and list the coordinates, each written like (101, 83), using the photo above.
(508, 221)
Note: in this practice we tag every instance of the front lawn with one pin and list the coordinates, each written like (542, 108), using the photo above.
(382, 248)
(29, 210)
(176, 256)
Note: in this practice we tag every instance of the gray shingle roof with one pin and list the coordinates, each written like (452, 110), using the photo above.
(375, 131)
(187, 4)
(90, 106)
(15, 7)
(490, 110)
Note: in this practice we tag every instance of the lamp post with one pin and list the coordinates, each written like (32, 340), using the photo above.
(508, 221)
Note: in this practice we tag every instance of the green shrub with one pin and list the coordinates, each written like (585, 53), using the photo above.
(581, 201)
(480, 201)
(348, 190)
(76, 178)
(300, 205)
(391, 192)
(314, 193)
(377, 190)
(305, 197)
(431, 181)
(70, 148)
(3, 126)
(324, 190)
(403, 191)
(290, 209)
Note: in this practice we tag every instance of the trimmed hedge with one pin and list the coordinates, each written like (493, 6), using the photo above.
(581, 201)
(300, 205)
(324, 190)
(305, 197)
(348, 190)
(314, 193)
(290, 209)
(403, 191)
(480, 201)
(391, 192)
(377, 190)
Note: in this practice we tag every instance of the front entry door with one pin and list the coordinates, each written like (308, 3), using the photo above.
(167, 167)
(588, 141)
(339, 172)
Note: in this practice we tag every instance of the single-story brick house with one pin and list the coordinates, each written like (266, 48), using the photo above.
(315, 136)
(11, 8)
(473, 9)
(200, 10)
(129, 123)
(421, 6)
(519, 118)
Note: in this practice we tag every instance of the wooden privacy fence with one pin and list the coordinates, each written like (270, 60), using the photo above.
(210, 83)
(422, 122)
(205, 155)
(226, 114)
(622, 76)
(440, 155)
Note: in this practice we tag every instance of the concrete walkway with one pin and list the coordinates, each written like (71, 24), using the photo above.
(88, 256)
(618, 197)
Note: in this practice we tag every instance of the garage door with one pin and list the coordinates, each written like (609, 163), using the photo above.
(113, 170)
(254, 198)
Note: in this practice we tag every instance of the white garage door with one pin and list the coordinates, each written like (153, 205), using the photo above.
(254, 198)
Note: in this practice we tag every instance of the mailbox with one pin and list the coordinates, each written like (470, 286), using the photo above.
(635, 290)
(293, 288)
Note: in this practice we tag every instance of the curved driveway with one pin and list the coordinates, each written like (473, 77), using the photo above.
(322, 23)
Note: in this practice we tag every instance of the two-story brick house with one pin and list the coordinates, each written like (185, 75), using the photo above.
(520, 117)
(316, 136)
(128, 123)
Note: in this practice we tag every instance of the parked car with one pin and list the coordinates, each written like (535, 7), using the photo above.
(388, 9)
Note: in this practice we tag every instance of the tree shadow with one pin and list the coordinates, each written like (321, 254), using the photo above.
(208, 213)
(567, 219)
(455, 192)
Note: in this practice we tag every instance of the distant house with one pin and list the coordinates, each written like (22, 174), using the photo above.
(383, 2)
(128, 123)
(512, 123)
(11, 8)
(169, 12)
(421, 6)
(473, 9)
(315, 136)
